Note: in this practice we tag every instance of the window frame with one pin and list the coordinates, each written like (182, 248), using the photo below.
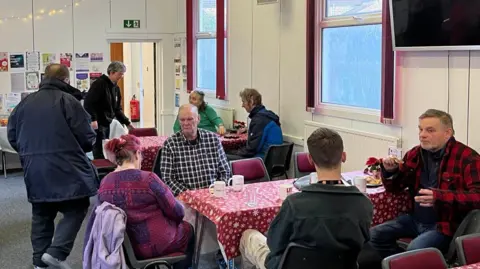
(220, 35)
(322, 21)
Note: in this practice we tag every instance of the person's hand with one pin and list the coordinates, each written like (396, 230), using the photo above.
(130, 127)
(391, 164)
(94, 125)
(221, 130)
(241, 130)
(425, 198)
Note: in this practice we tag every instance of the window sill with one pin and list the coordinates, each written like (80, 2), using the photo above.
(351, 113)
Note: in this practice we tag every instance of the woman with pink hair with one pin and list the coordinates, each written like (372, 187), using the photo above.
(154, 218)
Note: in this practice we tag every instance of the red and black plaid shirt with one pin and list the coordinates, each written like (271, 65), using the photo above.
(458, 189)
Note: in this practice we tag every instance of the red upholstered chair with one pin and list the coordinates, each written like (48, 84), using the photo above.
(139, 132)
(430, 258)
(468, 249)
(302, 166)
(103, 167)
(253, 170)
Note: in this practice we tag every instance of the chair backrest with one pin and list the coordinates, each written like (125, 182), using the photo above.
(277, 159)
(430, 258)
(129, 253)
(299, 256)
(156, 164)
(469, 225)
(253, 170)
(139, 132)
(468, 248)
(302, 166)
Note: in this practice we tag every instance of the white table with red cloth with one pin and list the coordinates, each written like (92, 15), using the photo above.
(151, 144)
(232, 216)
(470, 266)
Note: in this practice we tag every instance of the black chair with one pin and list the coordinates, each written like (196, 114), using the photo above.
(104, 167)
(277, 159)
(299, 256)
(133, 262)
(156, 164)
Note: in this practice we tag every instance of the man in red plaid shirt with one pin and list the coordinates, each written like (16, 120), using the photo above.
(442, 175)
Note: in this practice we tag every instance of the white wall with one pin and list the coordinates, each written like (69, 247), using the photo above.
(267, 51)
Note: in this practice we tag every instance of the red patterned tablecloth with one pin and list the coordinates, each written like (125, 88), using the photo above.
(151, 144)
(470, 266)
(233, 216)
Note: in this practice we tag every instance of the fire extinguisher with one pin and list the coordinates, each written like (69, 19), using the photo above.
(134, 109)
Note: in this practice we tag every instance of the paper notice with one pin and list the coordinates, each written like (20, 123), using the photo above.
(17, 82)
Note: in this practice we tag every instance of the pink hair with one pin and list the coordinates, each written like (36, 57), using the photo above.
(122, 149)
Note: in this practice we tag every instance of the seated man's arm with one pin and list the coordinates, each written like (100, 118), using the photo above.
(223, 167)
(167, 171)
(400, 179)
(470, 196)
(279, 233)
(254, 141)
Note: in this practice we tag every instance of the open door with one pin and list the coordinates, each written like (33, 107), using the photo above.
(116, 54)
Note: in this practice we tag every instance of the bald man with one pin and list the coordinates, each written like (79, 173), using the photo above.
(192, 158)
(52, 69)
(51, 132)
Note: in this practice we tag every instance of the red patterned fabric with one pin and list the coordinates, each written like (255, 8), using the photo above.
(139, 132)
(151, 145)
(233, 216)
(470, 266)
(303, 164)
(250, 169)
(103, 163)
(419, 260)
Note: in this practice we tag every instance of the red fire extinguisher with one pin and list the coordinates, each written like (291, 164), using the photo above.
(134, 109)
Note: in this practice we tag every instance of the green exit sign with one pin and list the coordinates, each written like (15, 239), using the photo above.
(131, 23)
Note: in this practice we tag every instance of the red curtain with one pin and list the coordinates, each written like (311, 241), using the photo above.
(190, 46)
(310, 68)
(388, 66)
(220, 50)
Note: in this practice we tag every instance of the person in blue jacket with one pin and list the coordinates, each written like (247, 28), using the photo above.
(264, 129)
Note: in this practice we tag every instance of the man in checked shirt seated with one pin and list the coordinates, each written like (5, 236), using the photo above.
(192, 158)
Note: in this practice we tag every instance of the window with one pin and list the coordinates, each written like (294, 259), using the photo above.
(206, 46)
(348, 49)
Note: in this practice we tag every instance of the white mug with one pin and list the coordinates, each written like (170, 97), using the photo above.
(218, 188)
(313, 178)
(237, 182)
(361, 183)
(285, 190)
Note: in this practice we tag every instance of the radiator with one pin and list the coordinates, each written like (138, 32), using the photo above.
(358, 145)
(227, 114)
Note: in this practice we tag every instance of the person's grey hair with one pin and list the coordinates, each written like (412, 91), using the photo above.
(190, 107)
(444, 117)
(116, 66)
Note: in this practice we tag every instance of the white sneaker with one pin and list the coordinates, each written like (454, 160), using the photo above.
(51, 261)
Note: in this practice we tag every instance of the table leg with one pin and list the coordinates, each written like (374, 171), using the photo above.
(199, 229)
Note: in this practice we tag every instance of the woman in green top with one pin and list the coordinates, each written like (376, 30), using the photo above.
(209, 120)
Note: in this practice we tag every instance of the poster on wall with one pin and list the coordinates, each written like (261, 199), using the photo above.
(17, 81)
(82, 81)
(17, 61)
(82, 62)
(1, 101)
(12, 100)
(3, 61)
(32, 80)
(177, 99)
(48, 58)
(96, 57)
(93, 77)
(33, 61)
(66, 59)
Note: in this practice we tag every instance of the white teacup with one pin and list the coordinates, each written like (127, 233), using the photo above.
(218, 188)
(361, 183)
(285, 190)
(237, 182)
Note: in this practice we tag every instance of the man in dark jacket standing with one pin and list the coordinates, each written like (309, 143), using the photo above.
(264, 129)
(51, 132)
(103, 103)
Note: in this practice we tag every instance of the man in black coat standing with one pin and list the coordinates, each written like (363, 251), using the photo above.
(103, 103)
(51, 132)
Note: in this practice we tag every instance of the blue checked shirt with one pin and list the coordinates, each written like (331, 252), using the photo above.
(190, 165)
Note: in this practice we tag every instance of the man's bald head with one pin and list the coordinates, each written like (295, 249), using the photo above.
(188, 107)
(58, 71)
(189, 118)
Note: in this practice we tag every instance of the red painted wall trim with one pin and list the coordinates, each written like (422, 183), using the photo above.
(220, 91)
(310, 68)
(190, 46)
(388, 67)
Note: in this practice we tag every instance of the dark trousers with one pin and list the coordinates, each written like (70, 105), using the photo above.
(187, 263)
(384, 236)
(44, 230)
(102, 133)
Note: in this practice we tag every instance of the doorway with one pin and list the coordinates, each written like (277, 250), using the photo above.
(140, 80)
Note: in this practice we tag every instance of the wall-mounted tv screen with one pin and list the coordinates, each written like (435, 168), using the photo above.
(435, 24)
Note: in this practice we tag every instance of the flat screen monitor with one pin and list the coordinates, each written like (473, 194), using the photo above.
(435, 24)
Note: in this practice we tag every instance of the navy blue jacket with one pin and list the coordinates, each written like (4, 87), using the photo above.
(51, 132)
(264, 130)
